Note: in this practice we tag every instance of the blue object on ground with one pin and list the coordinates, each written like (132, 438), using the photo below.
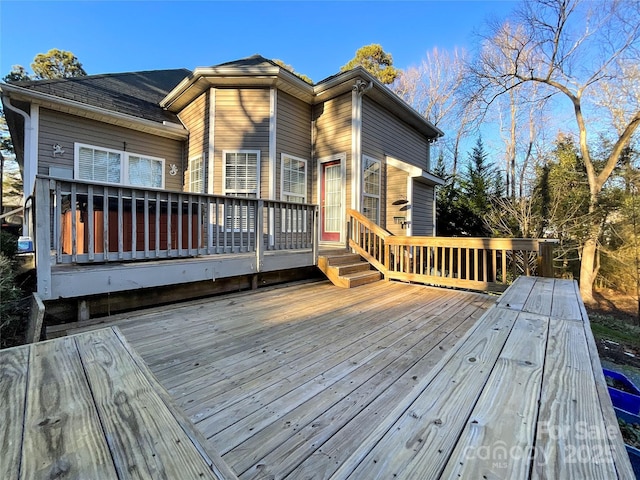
(634, 453)
(630, 386)
(625, 401)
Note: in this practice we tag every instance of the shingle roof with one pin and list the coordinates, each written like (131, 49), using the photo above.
(132, 93)
(252, 61)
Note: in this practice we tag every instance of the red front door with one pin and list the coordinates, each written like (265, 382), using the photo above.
(331, 201)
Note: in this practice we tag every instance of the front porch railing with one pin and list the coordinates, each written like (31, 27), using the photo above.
(82, 222)
(487, 264)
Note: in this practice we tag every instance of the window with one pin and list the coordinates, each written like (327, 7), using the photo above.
(371, 170)
(196, 175)
(145, 171)
(294, 179)
(241, 178)
(294, 189)
(99, 164)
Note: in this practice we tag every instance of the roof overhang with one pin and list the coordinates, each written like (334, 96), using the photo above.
(52, 102)
(415, 172)
(343, 82)
(266, 76)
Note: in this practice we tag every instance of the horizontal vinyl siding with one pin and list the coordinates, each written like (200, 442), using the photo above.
(65, 129)
(195, 117)
(293, 135)
(333, 136)
(242, 123)
(385, 134)
(396, 190)
(422, 222)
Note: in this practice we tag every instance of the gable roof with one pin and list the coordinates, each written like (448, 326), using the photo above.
(158, 95)
(131, 93)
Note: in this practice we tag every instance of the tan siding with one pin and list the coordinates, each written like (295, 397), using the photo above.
(195, 117)
(396, 190)
(65, 129)
(293, 135)
(242, 123)
(333, 135)
(385, 134)
(422, 222)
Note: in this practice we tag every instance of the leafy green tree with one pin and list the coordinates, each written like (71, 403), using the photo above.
(375, 61)
(17, 74)
(56, 64)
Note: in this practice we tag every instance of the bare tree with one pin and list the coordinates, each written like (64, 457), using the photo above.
(434, 88)
(573, 49)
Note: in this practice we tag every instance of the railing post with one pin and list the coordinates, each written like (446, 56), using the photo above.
(545, 259)
(43, 236)
(260, 235)
(316, 235)
(349, 232)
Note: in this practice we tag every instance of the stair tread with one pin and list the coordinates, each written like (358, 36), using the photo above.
(361, 274)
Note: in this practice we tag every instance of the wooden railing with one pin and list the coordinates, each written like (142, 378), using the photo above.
(486, 264)
(90, 223)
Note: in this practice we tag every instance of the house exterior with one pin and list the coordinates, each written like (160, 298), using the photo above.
(247, 130)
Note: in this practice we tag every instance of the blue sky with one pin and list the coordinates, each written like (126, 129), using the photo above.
(316, 38)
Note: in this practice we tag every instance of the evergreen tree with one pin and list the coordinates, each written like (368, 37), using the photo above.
(375, 61)
(479, 185)
(56, 64)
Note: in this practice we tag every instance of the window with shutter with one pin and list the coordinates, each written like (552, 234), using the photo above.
(196, 174)
(241, 179)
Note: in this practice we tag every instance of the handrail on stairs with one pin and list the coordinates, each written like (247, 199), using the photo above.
(485, 264)
(368, 240)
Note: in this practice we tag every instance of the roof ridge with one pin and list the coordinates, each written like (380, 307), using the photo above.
(45, 81)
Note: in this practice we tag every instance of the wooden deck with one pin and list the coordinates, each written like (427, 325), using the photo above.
(289, 381)
(87, 406)
(389, 381)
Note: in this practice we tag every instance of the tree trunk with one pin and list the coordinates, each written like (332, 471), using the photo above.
(587, 270)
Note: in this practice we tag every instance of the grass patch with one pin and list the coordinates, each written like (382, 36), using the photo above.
(609, 327)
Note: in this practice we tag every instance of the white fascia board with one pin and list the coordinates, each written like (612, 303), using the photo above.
(414, 172)
(164, 129)
(239, 76)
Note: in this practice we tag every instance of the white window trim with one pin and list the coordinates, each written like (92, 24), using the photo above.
(76, 160)
(124, 166)
(224, 170)
(370, 195)
(202, 178)
(126, 170)
(225, 191)
(306, 176)
(287, 223)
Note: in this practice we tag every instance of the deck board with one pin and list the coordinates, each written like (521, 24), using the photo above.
(288, 372)
(13, 394)
(61, 420)
(388, 380)
(518, 369)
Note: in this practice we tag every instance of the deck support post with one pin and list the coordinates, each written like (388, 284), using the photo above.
(545, 259)
(43, 236)
(84, 312)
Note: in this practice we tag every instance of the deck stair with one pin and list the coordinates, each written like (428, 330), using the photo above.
(346, 269)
